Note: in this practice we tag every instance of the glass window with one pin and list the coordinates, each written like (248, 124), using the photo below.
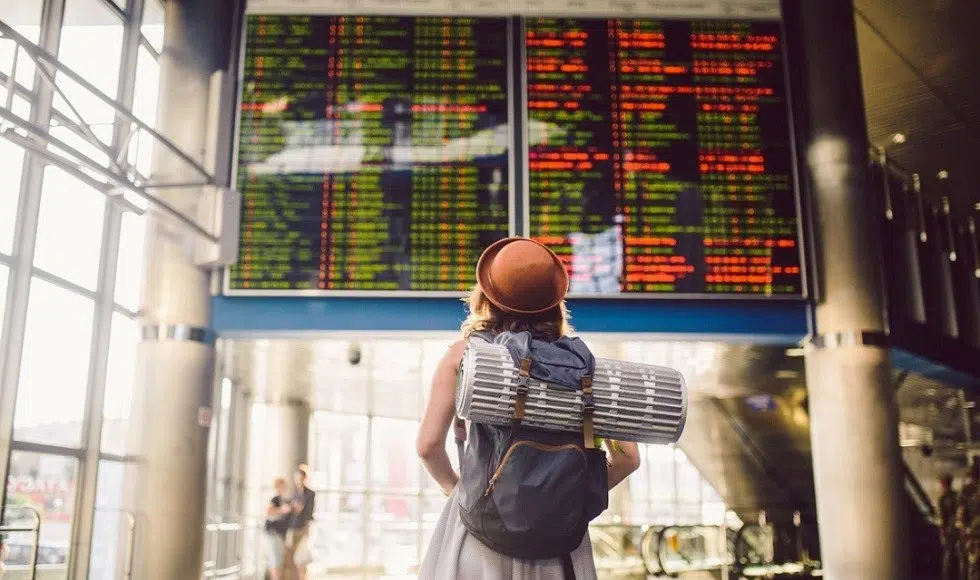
(713, 513)
(152, 28)
(120, 384)
(432, 353)
(72, 137)
(24, 16)
(394, 535)
(11, 169)
(111, 534)
(129, 270)
(54, 368)
(337, 536)
(338, 451)
(45, 483)
(4, 272)
(688, 514)
(708, 493)
(330, 367)
(90, 27)
(661, 460)
(639, 480)
(396, 368)
(394, 463)
(69, 230)
(144, 108)
(688, 479)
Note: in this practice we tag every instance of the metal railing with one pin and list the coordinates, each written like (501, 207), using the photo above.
(35, 530)
(672, 551)
(224, 536)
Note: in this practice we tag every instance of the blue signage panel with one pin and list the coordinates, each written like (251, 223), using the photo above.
(771, 322)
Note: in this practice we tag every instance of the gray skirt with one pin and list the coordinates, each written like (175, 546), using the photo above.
(454, 554)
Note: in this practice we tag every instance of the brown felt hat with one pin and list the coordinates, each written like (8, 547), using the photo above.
(522, 276)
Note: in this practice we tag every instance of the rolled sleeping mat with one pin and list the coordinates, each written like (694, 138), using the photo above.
(633, 402)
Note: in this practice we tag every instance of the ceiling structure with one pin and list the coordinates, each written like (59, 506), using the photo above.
(919, 65)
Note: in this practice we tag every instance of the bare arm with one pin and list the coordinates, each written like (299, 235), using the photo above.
(439, 412)
(624, 459)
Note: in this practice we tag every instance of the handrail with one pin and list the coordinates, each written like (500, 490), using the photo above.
(918, 495)
(215, 525)
(130, 561)
(650, 558)
(707, 563)
(739, 537)
(36, 530)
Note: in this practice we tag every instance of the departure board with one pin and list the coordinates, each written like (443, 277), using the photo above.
(373, 152)
(660, 157)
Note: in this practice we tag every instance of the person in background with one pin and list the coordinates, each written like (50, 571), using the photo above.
(948, 504)
(276, 524)
(969, 520)
(298, 554)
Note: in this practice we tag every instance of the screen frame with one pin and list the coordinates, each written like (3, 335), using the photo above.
(519, 225)
(794, 177)
(512, 225)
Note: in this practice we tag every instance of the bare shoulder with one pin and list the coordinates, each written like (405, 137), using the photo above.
(455, 353)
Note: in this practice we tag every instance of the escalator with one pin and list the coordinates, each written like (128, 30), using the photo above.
(754, 449)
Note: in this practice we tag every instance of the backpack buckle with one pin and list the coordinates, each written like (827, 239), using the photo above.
(522, 388)
(588, 403)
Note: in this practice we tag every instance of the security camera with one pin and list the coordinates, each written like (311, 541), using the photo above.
(354, 354)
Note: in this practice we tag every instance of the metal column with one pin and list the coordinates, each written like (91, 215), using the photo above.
(854, 422)
(176, 360)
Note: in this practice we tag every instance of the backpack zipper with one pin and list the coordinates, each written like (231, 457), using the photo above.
(535, 445)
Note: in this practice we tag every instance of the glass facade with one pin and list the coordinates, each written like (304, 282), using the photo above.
(376, 506)
(67, 327)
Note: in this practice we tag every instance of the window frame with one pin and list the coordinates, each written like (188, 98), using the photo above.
(22, 270)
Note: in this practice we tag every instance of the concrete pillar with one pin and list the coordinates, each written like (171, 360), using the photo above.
(176, 371)
(285, 439)
(281, 443)
(854, 423)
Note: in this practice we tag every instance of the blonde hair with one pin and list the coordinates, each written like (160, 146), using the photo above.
(486, 317)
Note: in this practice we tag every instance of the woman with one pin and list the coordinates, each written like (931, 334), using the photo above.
(276, 524)
(521, 286)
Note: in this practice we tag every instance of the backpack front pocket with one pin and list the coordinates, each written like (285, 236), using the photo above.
(539, 488)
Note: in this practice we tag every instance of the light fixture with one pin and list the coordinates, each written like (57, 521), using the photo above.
(943, 174)
(976, 206)
(898, 138)
(797, 352)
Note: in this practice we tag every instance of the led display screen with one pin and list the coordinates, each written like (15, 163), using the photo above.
(373, 152)
(660, 156)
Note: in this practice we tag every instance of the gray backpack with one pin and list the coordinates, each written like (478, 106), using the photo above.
(529, 493)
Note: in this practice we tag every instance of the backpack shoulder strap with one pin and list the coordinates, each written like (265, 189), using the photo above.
(588, 410)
